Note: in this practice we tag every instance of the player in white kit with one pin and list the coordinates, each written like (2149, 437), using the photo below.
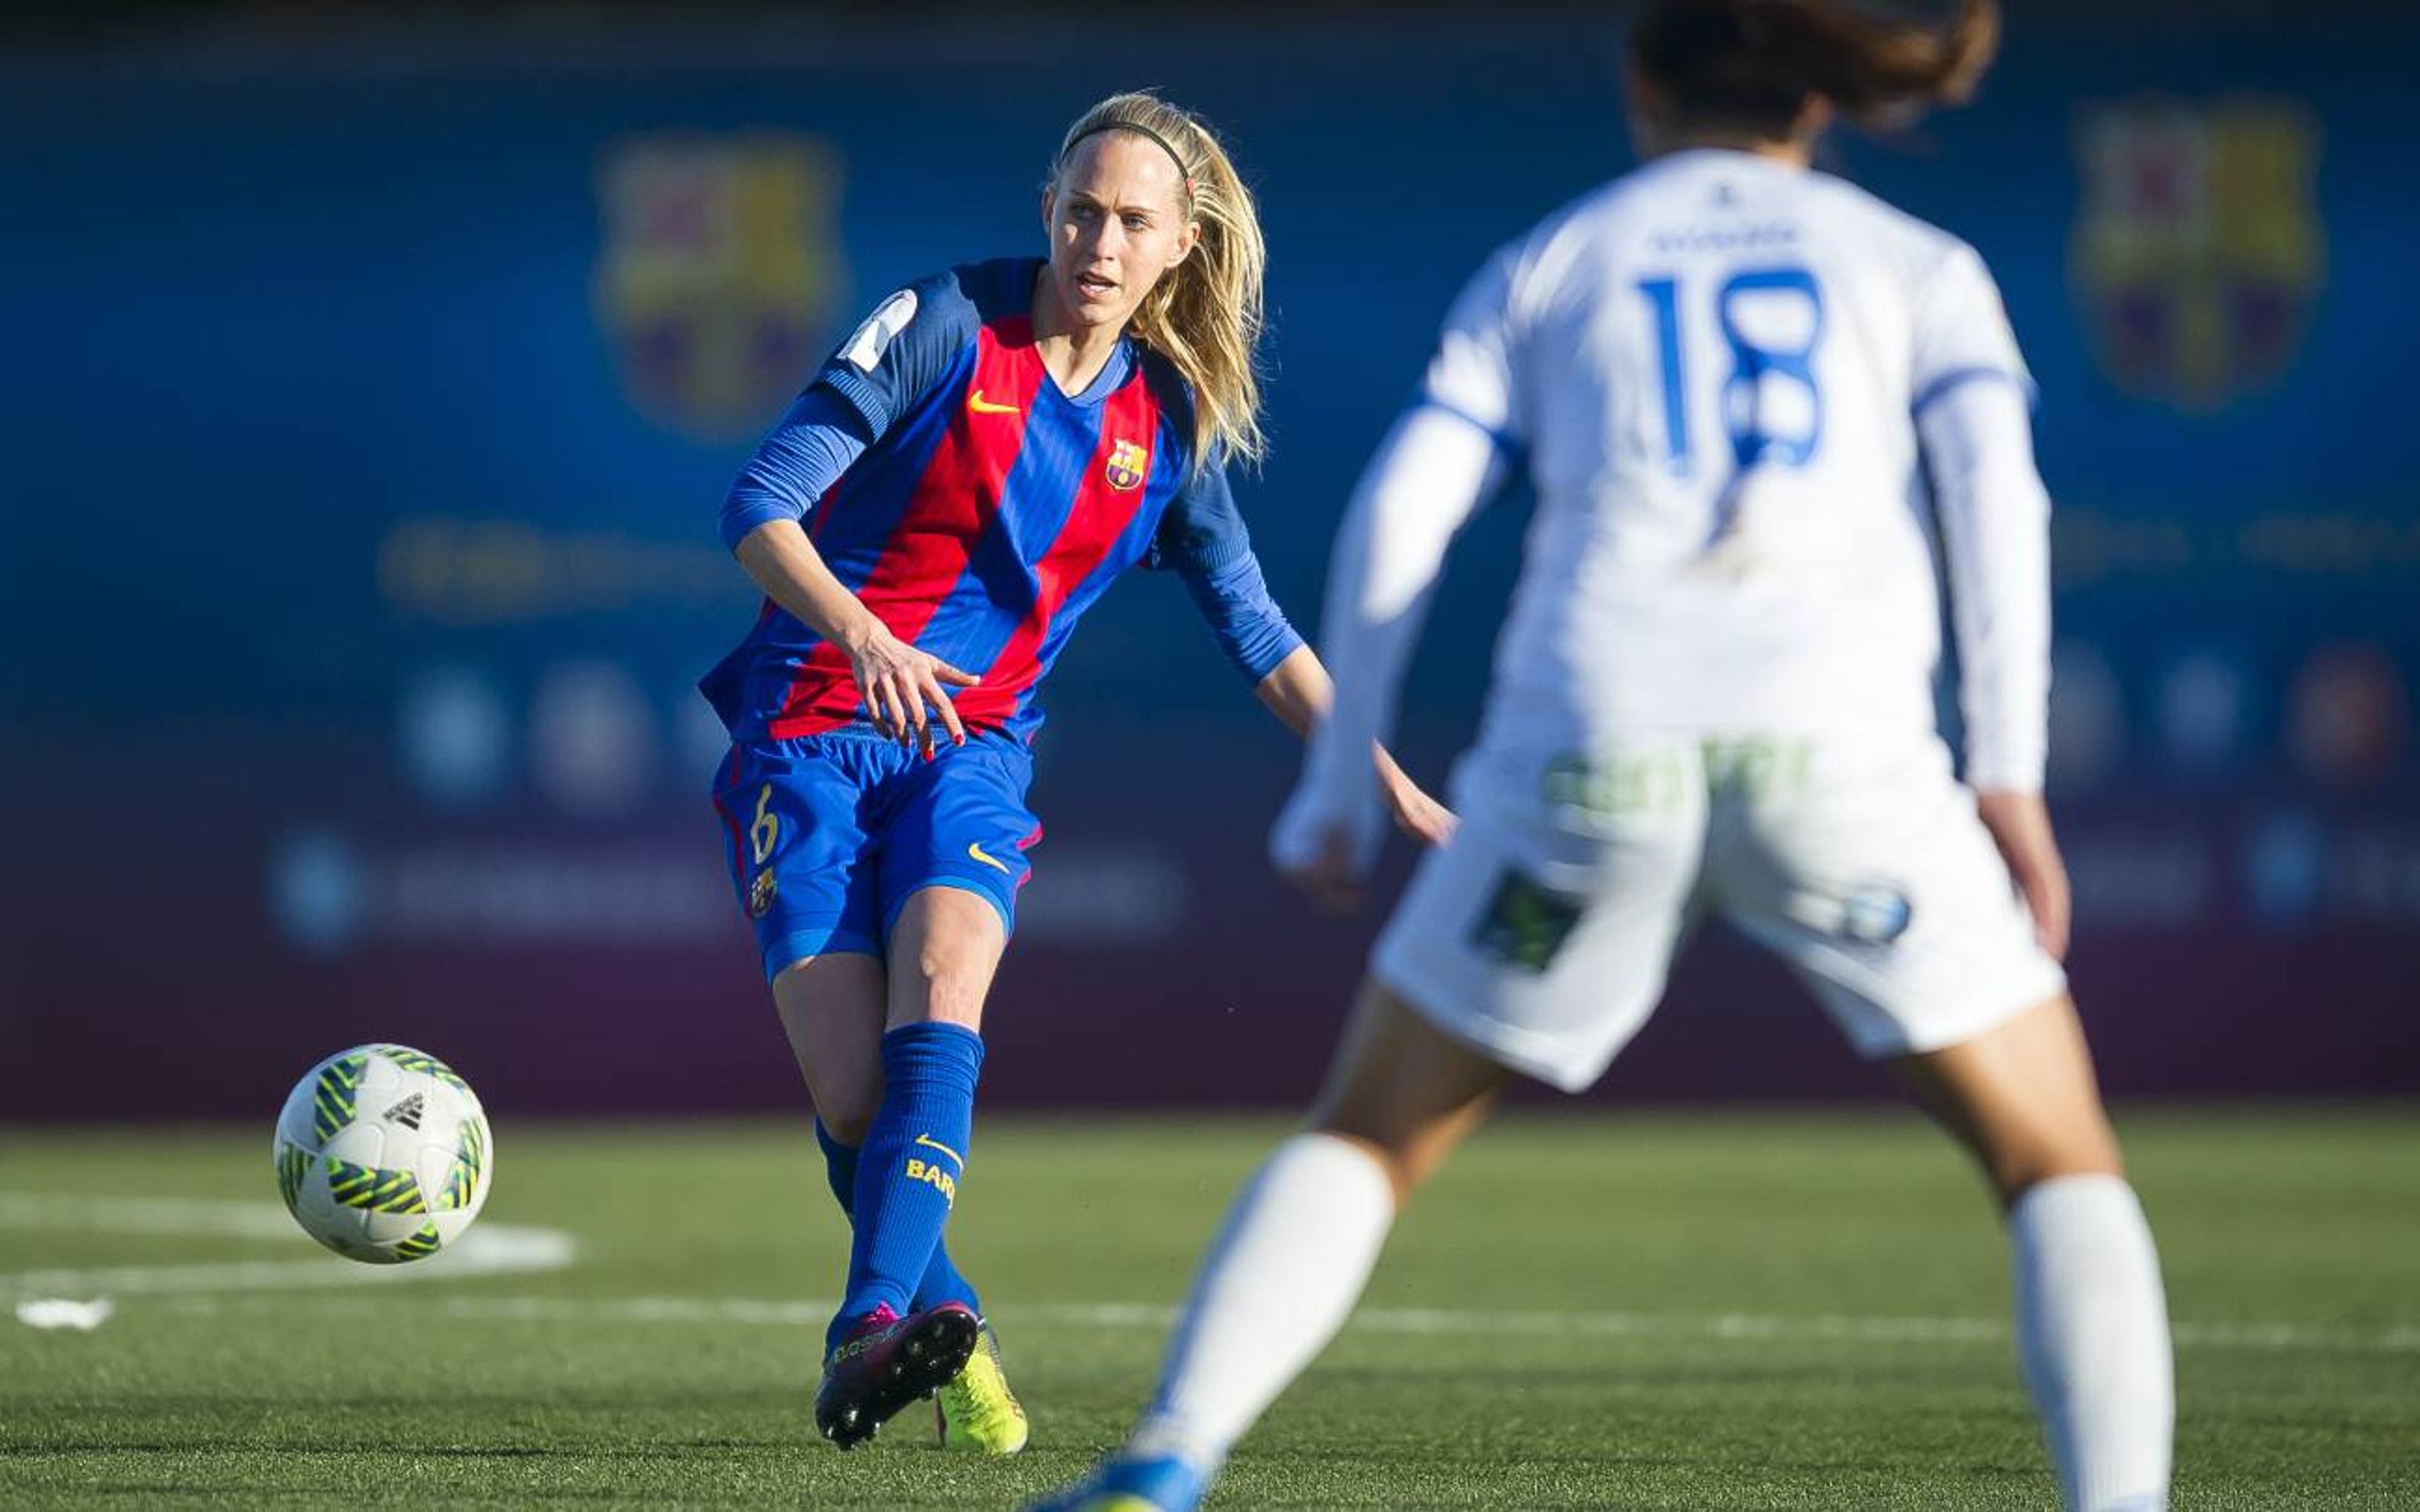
(1743, 390)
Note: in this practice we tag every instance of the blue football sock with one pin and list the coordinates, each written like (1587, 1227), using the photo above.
(840, 1169)
(943, 1281)
(907, 1173)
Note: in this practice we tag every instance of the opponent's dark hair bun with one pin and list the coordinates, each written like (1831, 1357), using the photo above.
(1754, 63)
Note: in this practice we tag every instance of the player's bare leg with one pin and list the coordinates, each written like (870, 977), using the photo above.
(945, 947)
(2091, 1316)
(1404, 1089)
(2022, 1099)
(1297, 1248)
(883, 1350)
(831, 1008)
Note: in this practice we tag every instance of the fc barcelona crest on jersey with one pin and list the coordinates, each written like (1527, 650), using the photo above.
(719, 275)
(2199, 250)
(1127, 464)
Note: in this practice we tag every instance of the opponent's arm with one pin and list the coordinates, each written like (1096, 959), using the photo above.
(1429, 476)
(1204, 539)
(1995, 513)
(763, 523)
(1300, 692)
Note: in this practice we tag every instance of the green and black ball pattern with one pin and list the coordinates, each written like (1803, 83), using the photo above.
(415, 1060)
(423, 1244)
(335, 1100)
(374, 1191)
(470, 1159)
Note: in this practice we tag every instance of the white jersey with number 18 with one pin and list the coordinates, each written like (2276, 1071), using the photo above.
(1715, 370)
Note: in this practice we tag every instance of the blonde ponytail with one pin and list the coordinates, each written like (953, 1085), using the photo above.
(1205, 316)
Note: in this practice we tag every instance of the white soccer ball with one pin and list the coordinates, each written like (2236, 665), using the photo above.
(383, 1154)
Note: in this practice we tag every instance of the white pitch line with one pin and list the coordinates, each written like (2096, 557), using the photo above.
(1403, 1322)
(496, 1249)
(184, 1216)
(490, 1249)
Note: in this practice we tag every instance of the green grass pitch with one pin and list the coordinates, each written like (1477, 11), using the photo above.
(1653, 1310)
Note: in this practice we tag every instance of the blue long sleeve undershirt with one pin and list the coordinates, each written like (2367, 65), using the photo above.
(1233, 600)
(818, 440)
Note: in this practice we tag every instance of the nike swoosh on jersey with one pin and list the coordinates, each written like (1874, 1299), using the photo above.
(977, 852)
(982, 406)
(931, 1142)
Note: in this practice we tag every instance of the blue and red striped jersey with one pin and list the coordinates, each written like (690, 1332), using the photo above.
(984, 511)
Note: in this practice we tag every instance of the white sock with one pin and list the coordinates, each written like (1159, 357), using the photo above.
(2092, 1327)
(1278, 1282)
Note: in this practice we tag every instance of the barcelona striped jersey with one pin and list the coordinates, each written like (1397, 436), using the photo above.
(978, 510)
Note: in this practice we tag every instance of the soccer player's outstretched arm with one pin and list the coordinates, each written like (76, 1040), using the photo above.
(1446, 455)
(1299, 691)
(1205, 540)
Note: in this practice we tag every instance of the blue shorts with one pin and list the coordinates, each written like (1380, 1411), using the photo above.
(828, 835)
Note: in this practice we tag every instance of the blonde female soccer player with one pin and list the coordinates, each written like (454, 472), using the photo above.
(964, 478)
(1738, 386)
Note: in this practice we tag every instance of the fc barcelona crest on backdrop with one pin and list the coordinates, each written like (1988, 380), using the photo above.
(1127, 464)
(2198, 249)
(719, 275)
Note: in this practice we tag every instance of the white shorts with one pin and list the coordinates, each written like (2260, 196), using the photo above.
(1542, 933)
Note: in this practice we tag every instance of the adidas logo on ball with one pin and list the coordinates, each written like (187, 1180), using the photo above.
(382, 1154)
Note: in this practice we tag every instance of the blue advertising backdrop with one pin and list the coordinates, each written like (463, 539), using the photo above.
(366, 416)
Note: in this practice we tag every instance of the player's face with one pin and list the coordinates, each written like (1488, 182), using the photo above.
(1117, 222)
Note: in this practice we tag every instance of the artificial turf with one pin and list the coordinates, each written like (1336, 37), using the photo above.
(1665, 1310)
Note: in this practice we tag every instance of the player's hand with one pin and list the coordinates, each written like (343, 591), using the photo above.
(1427, 820)
(1322, 852)
(904, 688)
(1327, 876)
(2020, 826)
